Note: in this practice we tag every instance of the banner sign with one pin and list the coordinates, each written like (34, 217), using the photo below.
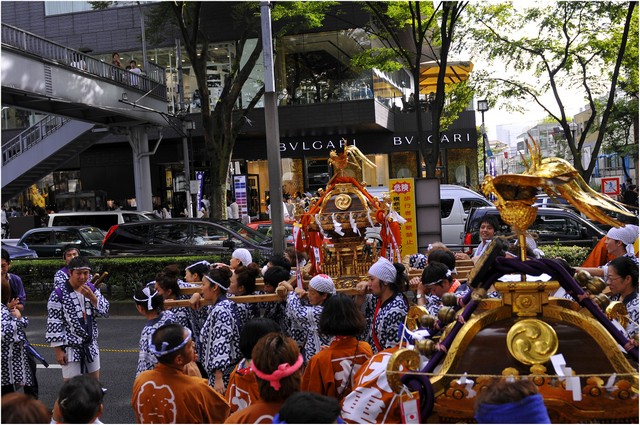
(403, 200)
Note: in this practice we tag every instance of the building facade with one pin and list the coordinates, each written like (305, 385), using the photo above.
(324, 103)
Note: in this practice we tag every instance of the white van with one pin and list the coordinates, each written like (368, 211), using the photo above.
(455, 204)
(100, 219)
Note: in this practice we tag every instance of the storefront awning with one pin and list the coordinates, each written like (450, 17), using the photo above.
(457, 71)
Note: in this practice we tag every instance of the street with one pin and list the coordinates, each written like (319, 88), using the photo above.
(118, 340)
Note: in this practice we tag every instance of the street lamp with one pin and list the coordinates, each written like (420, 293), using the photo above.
(483, 106)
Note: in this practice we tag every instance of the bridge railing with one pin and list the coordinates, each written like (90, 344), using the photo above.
(153, 81)
(31, 137)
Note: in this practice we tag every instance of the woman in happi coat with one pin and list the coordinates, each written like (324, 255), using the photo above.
(243, 282)
(220, 336)
(321, 288)
(15, 366)
(386, 307)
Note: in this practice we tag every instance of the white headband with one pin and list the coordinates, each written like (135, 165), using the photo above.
(163, 351)
(147, 291)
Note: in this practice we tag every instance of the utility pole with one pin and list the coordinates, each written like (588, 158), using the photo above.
(483, 106)
(272, 132)
(185, 142)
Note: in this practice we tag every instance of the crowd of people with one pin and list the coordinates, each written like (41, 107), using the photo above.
(213, 360)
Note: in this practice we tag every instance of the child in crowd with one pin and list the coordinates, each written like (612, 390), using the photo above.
(277, 363)
(243, 390)
(79, 401)
(149, 304)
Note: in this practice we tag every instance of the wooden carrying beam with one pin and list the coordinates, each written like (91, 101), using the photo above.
(463, 272)
(280, 295)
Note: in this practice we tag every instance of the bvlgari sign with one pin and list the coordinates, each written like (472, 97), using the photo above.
(372, 143)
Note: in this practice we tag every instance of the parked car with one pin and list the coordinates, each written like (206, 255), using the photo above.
(264, 227)
(455, 204)
(185, 236)
(100, 219)
(50, 241)
(18, 252)
(551, 225)
(544, 201)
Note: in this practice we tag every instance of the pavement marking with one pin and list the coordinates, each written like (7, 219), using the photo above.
(107, 350)
(51, 366)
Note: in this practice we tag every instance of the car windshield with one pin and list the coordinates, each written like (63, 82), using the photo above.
(93, 235)
(246, 231)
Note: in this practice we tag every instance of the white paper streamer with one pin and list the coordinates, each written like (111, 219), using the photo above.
(370, 221)
(397, 217)
(337, 227)
(354, 226)
(322, 232)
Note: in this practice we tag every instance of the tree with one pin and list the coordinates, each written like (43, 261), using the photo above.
(222, 124)
(577, 45)
(430, 28)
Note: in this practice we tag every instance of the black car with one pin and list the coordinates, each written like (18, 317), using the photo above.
(185, 236)
(552, 225)
(18, 252)
(50, 241)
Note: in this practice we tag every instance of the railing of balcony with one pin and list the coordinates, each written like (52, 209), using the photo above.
(31, 137)
(153, 81)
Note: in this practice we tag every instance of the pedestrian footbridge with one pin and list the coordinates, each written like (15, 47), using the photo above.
(84, 96)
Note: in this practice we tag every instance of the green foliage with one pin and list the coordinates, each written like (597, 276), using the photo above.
(570, 45)
(458, 96)
(125, 273)
(574, 255)
(100, 5)
(301, 14)
(383, 58)
(406, 34)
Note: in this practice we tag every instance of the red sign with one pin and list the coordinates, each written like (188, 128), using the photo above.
(611, 185)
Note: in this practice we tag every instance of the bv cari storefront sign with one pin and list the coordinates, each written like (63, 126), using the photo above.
(372, 143)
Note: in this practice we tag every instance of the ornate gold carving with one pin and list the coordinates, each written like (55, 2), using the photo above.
(532, 341)
(401, 360)
(413, 316)
(618, 311)
(527, 298)
(343, 201)
(600, 335)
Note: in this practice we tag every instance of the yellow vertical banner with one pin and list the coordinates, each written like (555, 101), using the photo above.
(403, 198)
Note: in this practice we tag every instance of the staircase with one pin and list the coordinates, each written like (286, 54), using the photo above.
(41, 149)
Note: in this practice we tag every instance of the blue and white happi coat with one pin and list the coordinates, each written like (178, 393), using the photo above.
(61, 276)
(392, 312)
(15, 367)
(146, 360)
(305, 319)
(244, 312)
(67, 326)
(220, 339)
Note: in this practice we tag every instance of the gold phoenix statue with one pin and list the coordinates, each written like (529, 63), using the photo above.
(352, 156)
(516, 193)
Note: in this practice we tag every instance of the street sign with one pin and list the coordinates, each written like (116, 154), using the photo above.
(611, 186)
